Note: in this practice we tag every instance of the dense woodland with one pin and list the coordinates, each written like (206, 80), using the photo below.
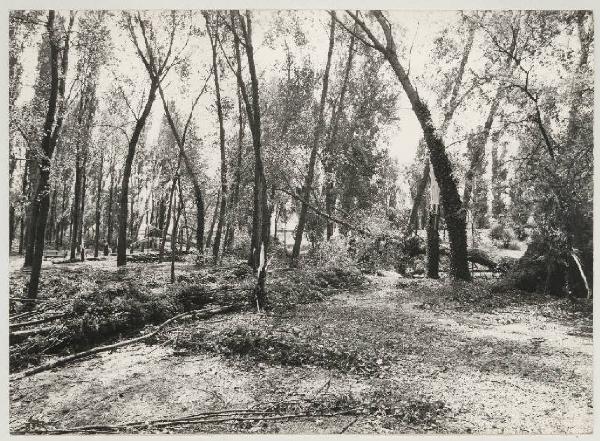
(303, 140)
(262, 140)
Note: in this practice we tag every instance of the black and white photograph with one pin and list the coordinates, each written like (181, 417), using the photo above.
(319, 221)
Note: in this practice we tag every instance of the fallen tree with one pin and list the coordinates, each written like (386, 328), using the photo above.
(19, 336)
(200, 313)
(35, 322)
(201, 418)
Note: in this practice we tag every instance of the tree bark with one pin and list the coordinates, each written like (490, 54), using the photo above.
(31, 211)
(51, 223)
(176, 214)
(308, 182)
(214, 220)
(76, 205)
(161, 251)
(98, 200)
(24, 210)
(433, 247)
(109, 213)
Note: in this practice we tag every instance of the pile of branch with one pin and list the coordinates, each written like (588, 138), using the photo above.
(200, 313)
(35, 322)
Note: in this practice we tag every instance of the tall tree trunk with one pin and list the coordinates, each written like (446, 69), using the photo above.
(214, 220)
(50, 228)
(51, 133)
(224, 190)
(81, 239)
(131, 222)
(413, 221)
(24, 210)
(449, 113)
(452, 205)
(75, 221)
(140, 123)
(11, 226)
(308, 182)
(176, 214)
(61, 223)
(199, 200)
(98, 200)
(235, 192)
(433, 246)
(329, 155)
(477, 142)
(261, 222)
(161, 251)
(21, 234)
(32, 211)
(109, 209)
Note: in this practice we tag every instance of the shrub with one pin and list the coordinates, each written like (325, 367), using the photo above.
(332, 253)
(503, 234)
(513, 245)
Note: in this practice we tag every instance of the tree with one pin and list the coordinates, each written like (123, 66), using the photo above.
(452, 205)
(158, 59)
(261, 222)
(329, 152)
(59, 64)
(224, 187)
(308, 182)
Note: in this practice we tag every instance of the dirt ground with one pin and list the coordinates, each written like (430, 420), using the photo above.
(443, 368)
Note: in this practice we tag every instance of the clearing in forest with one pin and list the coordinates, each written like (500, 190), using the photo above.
(394, 355)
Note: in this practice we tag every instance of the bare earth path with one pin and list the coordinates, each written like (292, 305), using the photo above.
(511, 370)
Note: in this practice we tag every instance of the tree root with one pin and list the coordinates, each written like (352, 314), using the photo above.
(200, 313)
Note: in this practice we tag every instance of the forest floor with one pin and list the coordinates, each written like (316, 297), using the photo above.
(406, 355)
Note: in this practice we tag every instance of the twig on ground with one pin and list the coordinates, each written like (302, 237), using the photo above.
(323, 388)
(206, 418)
(350, 424)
